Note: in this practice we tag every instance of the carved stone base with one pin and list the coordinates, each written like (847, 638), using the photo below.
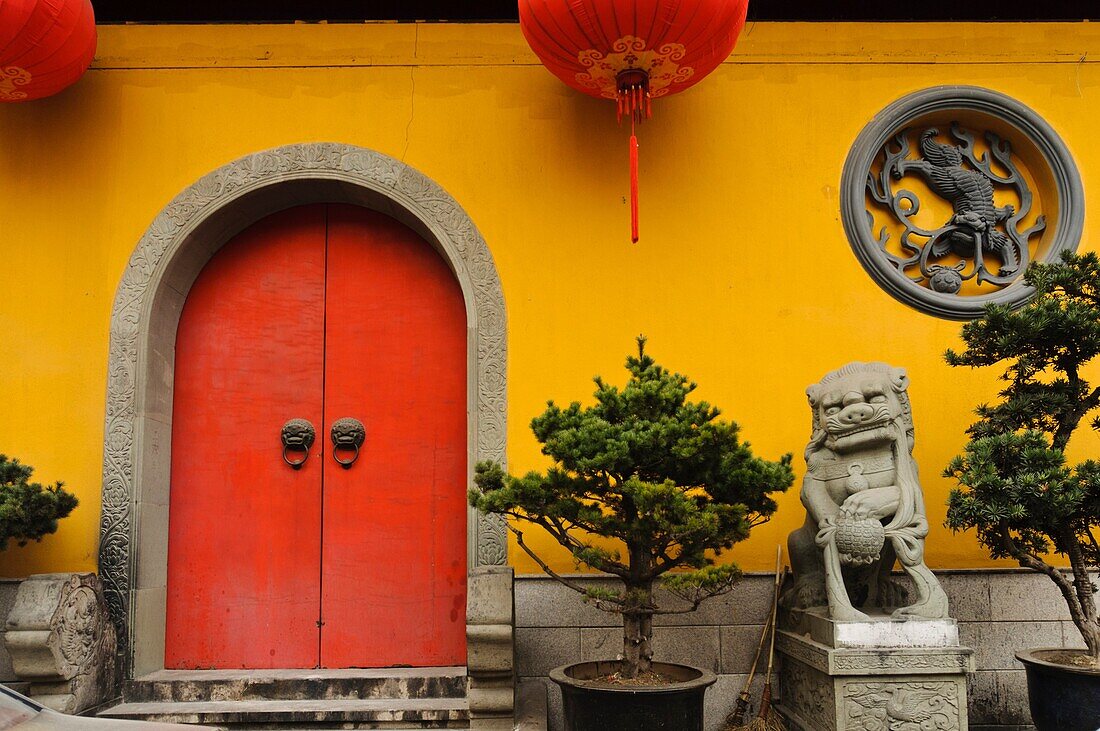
(490, 648)
(902, 688)
(61, 640)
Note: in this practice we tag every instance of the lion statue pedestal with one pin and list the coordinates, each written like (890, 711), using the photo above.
(857, 654)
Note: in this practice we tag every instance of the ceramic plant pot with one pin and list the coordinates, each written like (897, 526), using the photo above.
(1062, 697)
(677, 706)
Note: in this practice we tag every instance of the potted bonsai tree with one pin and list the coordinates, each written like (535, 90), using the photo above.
(1016, 487)
(29, 510)
(672, 485)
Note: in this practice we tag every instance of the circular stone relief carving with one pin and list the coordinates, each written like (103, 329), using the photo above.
(950, 192)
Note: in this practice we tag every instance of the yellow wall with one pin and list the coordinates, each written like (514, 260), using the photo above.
(743, 278)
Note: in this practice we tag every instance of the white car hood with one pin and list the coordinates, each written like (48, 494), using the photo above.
(53, 720)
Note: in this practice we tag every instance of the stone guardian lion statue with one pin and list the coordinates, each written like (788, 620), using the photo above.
(864, 505)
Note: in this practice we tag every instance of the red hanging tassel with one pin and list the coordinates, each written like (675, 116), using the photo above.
(633, 100)
(633, 186)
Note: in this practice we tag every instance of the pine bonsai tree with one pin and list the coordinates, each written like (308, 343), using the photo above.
(659, 473)
(29, 510)
(1016, 488)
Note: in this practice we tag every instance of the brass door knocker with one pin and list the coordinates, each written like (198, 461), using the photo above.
(298, 435)
(348, 434)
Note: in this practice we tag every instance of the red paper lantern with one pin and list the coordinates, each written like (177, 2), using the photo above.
(45, 45)
(632, 51)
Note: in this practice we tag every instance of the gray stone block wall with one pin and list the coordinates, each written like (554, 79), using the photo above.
(999, 612)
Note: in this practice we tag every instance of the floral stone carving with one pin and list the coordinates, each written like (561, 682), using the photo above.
(810, 692)
(61, 640)
(925, 690)
(864, 505)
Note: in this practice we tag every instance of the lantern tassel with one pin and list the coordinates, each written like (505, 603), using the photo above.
(633, 100)
(633, 186)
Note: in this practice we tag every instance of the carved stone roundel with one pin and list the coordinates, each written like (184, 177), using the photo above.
(950, 192)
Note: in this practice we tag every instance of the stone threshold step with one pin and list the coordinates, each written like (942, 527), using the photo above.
(295, 673)
(293, 684)
(389, 711)
(342, 726)
(381, 726)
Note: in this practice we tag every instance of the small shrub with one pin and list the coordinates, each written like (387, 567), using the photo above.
(29, 510)
(663, 475)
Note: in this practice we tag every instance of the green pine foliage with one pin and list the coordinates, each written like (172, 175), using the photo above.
(662, 475)
(29, 510)
(1015, 486)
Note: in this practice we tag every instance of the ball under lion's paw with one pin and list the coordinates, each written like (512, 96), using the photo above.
(859, 540)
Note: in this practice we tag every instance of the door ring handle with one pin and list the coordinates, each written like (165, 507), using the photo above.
(297, 435)
(347, 434)
(346, 463)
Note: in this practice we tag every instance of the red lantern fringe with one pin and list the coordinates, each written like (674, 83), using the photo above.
(633, 97)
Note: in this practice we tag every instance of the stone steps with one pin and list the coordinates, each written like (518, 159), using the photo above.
(379, 713)
(348, 684)
(297, 700)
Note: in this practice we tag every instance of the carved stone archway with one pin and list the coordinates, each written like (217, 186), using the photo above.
(137, 444)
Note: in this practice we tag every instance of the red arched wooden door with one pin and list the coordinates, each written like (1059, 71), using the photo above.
(319, 312)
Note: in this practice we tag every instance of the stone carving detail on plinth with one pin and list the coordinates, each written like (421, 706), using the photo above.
(864, 505)
(902, 706)
(842, 676)
(61, 640)
(809, 692)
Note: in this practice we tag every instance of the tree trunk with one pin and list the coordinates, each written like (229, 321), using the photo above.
(638, 629)
(1087, 619)
(1091, 633)
(637, 647)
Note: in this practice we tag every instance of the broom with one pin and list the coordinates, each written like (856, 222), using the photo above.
(736, 717)
(766, 719)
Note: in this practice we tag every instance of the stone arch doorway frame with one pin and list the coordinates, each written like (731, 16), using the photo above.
(133, 550)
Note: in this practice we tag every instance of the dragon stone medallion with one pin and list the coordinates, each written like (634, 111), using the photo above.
(944, 213)
(978, 228)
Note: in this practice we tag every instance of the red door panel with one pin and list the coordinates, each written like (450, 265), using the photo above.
(394, 549)
(319, 312)
(244, 533)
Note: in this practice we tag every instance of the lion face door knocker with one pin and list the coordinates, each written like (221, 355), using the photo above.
(298, 436)
(348, 435)
(864, 505)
